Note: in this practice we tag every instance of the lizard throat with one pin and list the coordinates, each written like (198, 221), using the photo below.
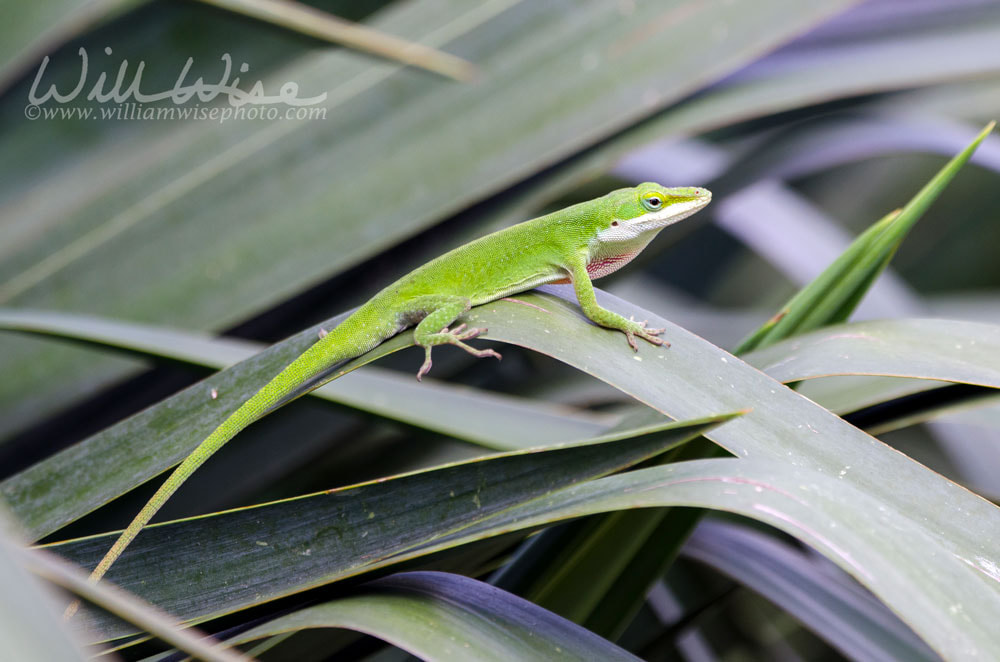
(603, 265)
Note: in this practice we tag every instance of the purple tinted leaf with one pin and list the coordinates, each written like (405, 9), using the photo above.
(438, 615)
(816, 592)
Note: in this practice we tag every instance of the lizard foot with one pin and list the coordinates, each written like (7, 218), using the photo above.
(649, 335)
(455, 337)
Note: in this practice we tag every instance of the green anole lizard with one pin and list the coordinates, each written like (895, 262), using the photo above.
(577, 244)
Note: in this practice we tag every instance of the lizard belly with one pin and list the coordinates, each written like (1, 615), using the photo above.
(513, 288)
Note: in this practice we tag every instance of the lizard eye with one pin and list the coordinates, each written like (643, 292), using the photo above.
(652, 201)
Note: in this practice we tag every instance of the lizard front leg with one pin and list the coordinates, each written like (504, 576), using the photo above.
(433, 329)
(584, 289)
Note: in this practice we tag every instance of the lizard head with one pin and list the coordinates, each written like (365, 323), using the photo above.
(637, 214)
(632, 217)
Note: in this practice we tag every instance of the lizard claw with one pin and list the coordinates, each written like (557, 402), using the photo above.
(426, 367)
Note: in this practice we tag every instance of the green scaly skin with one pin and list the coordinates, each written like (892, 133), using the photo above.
(576, 244)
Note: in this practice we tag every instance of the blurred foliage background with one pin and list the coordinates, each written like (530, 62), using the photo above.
(809, 121)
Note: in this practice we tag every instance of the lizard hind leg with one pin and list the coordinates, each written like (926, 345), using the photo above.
(433, 329)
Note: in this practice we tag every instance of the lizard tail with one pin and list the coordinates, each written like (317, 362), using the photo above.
(346, 341)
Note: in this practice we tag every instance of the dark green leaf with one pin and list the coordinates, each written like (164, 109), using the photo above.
(349, 531)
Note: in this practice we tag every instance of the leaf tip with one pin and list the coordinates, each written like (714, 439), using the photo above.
(987, 130)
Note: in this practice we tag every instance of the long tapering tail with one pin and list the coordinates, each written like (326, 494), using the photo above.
(351, 338)
(247, 413)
